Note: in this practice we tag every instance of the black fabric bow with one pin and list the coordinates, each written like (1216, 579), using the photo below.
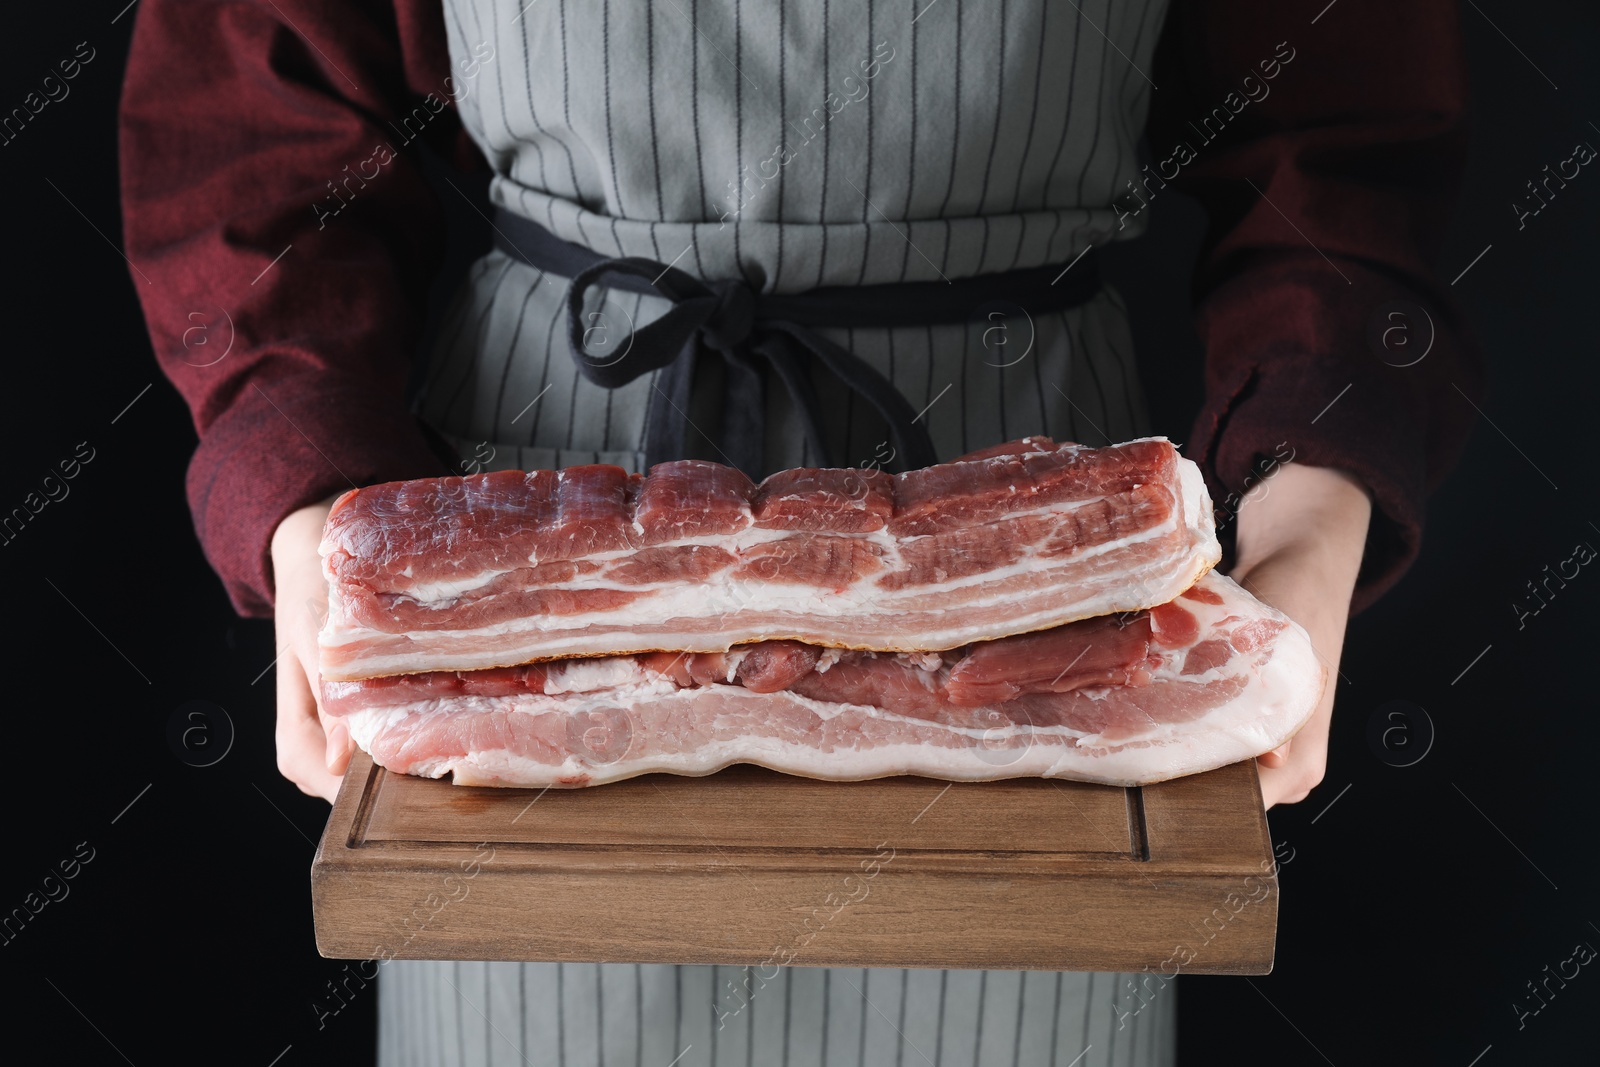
(730, 320)
(746, 329)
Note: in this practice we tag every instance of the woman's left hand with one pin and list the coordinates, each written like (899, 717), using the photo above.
(1300, 540)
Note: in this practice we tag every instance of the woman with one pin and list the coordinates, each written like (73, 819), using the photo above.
(752, 149)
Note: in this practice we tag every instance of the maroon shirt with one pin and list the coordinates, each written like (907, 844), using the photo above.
(1328, 200)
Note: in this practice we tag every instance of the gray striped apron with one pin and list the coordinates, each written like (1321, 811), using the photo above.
(792, 146)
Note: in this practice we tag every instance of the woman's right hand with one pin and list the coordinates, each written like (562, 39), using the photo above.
(313, 749)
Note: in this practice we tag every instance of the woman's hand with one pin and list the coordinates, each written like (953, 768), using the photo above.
(313, 749)
(1300, 539)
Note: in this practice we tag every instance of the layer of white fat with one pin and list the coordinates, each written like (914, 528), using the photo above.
(588, 675)
(875, 624)
(1193, 511)
(733, 659)
(829, 657)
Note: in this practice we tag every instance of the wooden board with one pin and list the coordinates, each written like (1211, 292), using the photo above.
(751, 867)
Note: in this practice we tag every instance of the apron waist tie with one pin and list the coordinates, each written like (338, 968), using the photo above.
(746, 329)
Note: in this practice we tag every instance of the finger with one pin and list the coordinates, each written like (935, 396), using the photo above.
(1289, 784)
(339, 746)
(1278, 757)
(307, 767)
(302, 745)
(334, 736)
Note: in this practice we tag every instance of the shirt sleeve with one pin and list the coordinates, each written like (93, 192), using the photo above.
(283, 238)
(1327, 156)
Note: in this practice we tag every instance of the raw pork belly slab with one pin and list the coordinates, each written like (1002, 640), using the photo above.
(502, 569)
(1214, 677)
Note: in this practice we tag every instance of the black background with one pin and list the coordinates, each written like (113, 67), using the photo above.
(1419, 902)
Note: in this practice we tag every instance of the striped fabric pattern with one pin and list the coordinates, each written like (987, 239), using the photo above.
(621, 1015)
(814, 142)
